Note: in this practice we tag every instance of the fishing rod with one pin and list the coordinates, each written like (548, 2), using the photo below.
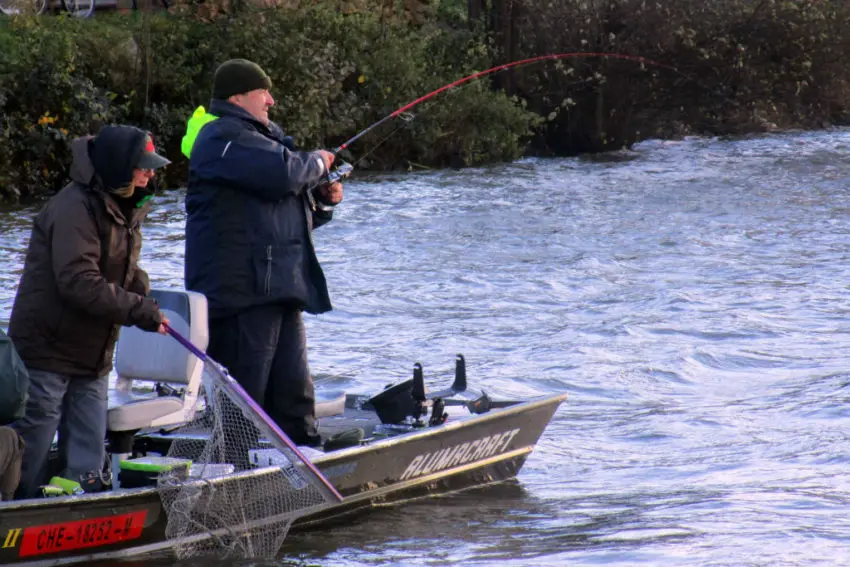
(345, 169)
(495, 69)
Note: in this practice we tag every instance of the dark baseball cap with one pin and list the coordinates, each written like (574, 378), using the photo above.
(148, 158)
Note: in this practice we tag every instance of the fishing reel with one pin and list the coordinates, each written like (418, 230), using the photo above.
(339, 172)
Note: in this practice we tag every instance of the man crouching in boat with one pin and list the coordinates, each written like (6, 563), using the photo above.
(252, 203)
(81, 282)
(13, 384)
(11, 454)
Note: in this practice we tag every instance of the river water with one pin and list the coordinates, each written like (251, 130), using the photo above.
(691, 297)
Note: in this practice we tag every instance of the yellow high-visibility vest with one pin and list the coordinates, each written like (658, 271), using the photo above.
(198, 120)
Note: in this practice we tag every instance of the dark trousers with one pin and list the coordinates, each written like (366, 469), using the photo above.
(76, 407)
(265, 349)
(11, 455)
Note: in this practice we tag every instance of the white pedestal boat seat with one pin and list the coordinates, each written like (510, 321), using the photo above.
(144, 357)
(162, 364)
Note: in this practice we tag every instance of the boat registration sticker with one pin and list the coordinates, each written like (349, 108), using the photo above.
(80, 534)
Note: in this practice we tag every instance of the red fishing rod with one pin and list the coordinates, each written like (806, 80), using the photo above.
(502, 67)
(344, 169)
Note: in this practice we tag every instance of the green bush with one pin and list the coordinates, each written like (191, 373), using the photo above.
(46, 101)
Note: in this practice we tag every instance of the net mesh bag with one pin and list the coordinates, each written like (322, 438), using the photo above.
(244, 487)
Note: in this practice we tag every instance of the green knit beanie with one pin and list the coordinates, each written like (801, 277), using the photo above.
(238, 76)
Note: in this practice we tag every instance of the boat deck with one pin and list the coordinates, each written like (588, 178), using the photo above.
(351, 418)
(359, 414)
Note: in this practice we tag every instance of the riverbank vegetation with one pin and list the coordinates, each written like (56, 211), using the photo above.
(716, 68)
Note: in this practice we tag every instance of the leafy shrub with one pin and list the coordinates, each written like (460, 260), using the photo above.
(45, 103)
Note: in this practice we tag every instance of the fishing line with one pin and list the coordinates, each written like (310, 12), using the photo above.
(407, 118)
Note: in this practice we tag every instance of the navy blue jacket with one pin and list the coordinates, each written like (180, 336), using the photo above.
(250, 216)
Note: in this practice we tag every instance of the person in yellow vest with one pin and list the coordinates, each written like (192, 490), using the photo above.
(252, 203)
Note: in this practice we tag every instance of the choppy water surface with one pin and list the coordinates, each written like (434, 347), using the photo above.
(692, 297)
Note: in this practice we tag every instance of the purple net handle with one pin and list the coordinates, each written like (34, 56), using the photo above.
(321, 483)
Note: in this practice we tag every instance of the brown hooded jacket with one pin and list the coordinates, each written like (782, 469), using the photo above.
(81, 281)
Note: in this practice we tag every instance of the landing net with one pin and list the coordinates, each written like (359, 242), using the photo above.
(245, 485)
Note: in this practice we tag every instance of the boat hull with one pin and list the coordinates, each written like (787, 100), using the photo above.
(459, 454)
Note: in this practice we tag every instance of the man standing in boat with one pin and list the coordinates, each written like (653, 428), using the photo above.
(81, 283)
(252, 203)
